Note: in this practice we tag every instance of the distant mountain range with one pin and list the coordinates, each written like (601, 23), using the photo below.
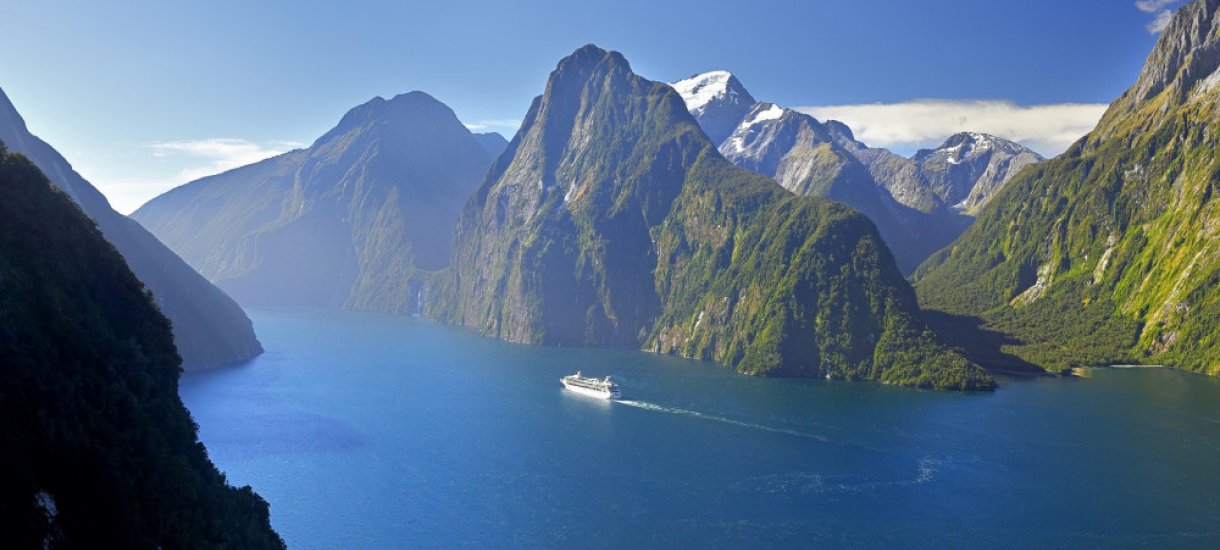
(96, 448)
(611, 220)
(919, 204)
(1108, 252)
(356, 220)
(209, 327)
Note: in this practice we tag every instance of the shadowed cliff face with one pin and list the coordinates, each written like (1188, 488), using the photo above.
(611, 220)
(355, 220)
(209, 327)
(96, 449)
(1107, 252)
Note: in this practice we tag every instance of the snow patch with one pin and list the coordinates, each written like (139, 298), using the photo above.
(700, 90)
(950, 153)
(737, 144)
(772, 112)
(981, 141)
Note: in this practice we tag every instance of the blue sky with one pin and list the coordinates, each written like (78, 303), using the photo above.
(142, 96)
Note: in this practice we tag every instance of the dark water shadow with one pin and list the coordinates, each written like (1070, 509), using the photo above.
(239, 418)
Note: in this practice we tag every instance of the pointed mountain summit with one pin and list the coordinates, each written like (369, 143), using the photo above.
(356, 220)
(611, 220)
(717, 100)
(1107, 253)
(209, 327)
(968, 168)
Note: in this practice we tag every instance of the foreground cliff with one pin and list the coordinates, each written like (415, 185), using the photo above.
(1107, 253)
(96, 449)
(209, 327)
(611, 220)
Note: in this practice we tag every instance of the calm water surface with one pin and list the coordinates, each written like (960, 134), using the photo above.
(366, 431)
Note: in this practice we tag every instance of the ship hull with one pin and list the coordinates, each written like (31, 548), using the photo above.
(589, 392)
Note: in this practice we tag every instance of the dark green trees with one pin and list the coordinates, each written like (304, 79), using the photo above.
(96, 449)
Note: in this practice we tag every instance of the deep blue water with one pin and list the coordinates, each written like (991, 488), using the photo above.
(367, 431)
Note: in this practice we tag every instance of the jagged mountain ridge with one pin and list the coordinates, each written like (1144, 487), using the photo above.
(210, 329)
(1107, 252)
(611, 220)
(356, 220)
(914, 202)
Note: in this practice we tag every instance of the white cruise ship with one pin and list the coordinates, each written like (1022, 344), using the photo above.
(604, 388)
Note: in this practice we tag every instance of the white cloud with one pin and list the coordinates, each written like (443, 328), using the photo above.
(1159, 22)
(1161, 10)
(510, 125)
(909, 125)
(212, 156)
(1151, 6)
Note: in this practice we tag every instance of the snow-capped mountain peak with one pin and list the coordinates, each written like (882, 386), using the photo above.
(968, 145)
(717, 100)
(703, 89)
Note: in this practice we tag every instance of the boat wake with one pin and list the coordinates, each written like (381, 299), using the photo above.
(695, 414)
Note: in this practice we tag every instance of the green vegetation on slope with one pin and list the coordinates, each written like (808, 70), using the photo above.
(1108, 253)
(96, 449)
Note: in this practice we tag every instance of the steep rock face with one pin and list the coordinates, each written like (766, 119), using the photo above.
(356, 220)
(968, 168)
(611, 220)
(209, 327)
(96, 449)
(795, 150)
(1107, 252)
(963, 173)
(899, 175)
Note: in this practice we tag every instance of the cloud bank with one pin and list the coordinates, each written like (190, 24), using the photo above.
(1161, 10)
(924, 123)
(207, 157)
(509, 125)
